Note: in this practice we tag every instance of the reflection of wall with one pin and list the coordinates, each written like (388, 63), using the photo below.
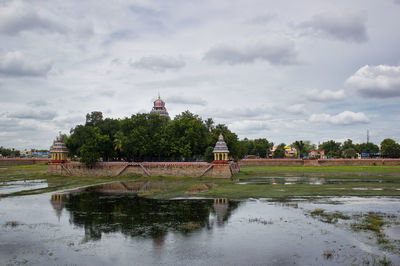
(133, 216)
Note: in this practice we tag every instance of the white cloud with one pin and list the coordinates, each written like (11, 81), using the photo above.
(18, 17)
(341, 26)
(344, 118)
(159, 63)
(35, 115)
(296, 108)
(280, 52)
(380, 81)
(248, 126)
(17, 64)
(325, 95)
(186, 100)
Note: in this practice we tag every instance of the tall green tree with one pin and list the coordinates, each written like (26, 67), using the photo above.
(390, 149)
(331, 148)
(280, 151)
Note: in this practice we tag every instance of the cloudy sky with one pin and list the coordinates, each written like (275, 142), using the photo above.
(283, 70)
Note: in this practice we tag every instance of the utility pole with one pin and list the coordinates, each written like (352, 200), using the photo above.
(367, 136)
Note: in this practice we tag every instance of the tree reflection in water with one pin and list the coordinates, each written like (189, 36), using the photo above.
(134, 216)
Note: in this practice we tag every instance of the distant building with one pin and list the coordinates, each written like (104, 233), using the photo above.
(290, 152)
(159, 108)
(317, 154)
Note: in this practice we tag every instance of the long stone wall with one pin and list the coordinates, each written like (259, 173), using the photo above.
(181, 169)
(22, 161)
(321, 162)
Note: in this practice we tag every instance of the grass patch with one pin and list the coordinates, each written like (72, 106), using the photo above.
(328, 217)
(170, 187)
(374, 222)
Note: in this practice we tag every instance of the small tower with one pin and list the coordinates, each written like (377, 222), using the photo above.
(221, 151)
(59, 151)
(159, 108)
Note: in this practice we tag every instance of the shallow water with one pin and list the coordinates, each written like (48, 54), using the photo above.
(310, 180)
(93, 228)
(7, 187)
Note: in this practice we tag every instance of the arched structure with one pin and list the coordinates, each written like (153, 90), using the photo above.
(221, 150)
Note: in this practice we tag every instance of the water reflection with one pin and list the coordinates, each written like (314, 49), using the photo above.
(309, 180)
(99, 213)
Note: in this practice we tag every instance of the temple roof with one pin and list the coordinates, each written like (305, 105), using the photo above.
(221, 146)
(59, 146)
(159, 108)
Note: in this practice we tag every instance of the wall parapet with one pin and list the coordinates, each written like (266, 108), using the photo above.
(319, 162)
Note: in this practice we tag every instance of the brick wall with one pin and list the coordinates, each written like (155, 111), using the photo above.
(22, 161)
(322, 162)
(180, 169)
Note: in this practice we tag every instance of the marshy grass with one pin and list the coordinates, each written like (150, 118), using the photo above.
(329, 217)
(374, 222)
(260, 221)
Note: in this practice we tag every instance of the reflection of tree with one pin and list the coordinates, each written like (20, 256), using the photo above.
(134, 216)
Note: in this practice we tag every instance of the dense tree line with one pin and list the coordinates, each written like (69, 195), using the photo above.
(149, 137)
(262, 148)
(5, 152)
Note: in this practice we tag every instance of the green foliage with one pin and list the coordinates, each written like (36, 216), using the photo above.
(331, 148)
(258, 147)
(209, 155)
(149, 137)
(366, 148)
(9, 152)
(280, 151)
(303, 147)
(349, 153)
(390, 149)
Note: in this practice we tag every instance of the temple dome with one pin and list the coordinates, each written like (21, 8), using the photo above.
(221, 146)
(159, 108)
(59, 146)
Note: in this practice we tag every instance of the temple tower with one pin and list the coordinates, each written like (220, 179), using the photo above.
(59, 151)
(221, 151)
(159, 108)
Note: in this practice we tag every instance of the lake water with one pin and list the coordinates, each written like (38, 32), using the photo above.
(97, 228)
(8, 187)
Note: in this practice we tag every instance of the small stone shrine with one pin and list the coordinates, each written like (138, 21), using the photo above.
(221, 150)
(59, 151)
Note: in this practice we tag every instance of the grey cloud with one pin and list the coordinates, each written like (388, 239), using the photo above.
(274, 52)
(325, 95)
(14, 21)
(343, 118)
(17, 64)
(186, 100)
(380, 81)
(34, 115)
(38, 103)
(261, 20)
(159, 63)
(249, 126)
(106, 93)
(345, 27)
(151, 19)
(396, 2)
